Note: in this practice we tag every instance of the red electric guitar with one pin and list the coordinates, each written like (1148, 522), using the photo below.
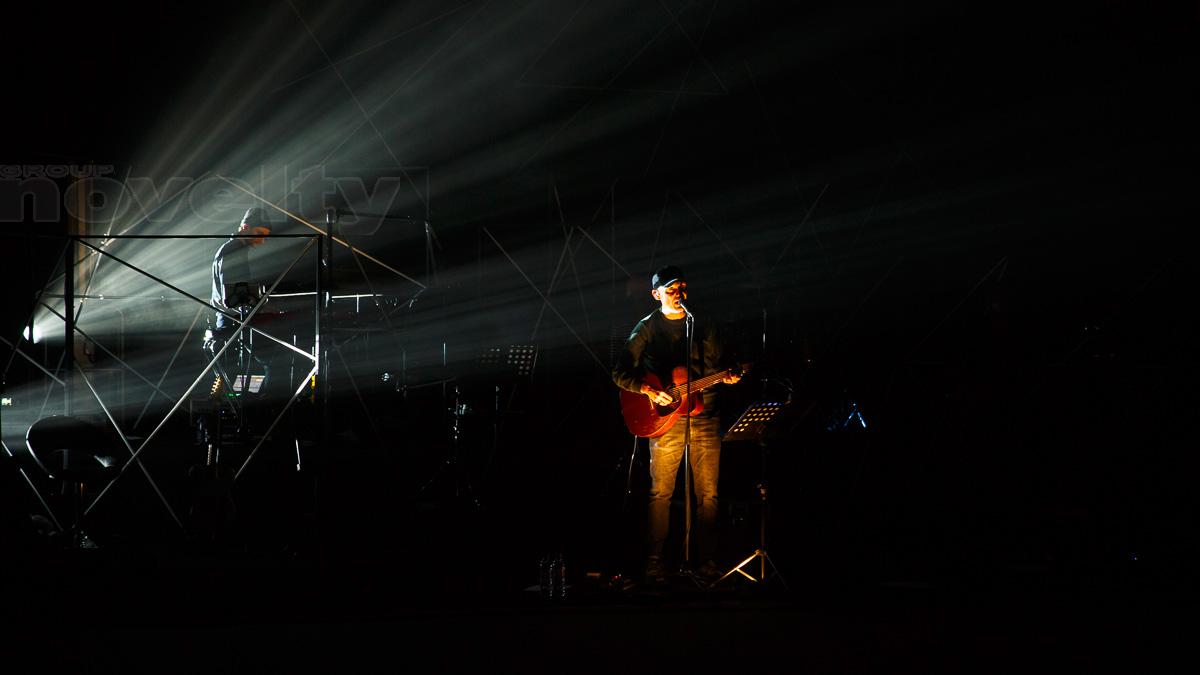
(648, 420)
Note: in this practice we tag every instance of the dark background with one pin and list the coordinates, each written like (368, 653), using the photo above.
(994, 270)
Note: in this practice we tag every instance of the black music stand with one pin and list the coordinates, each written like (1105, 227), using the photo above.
(752, 426)
(512, 364)
(516, 359)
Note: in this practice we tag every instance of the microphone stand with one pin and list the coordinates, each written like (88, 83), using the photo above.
(689, 329)
(244, 365)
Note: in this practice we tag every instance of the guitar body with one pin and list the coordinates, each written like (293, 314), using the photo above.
(647, 420)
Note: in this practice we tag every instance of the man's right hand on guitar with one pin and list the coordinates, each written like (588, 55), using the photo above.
(656, 397)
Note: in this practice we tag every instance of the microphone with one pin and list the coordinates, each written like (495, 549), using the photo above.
(687, 311)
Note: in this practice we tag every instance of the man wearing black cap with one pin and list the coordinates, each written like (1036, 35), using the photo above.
(230, 269)
(658, 345)
(231, 264)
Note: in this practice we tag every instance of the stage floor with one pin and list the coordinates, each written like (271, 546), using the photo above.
(436, 610)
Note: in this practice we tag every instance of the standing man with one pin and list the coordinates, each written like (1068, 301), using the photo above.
(231, 264)
(658, 346)
(230, 267)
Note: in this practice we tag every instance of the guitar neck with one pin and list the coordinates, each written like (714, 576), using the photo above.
(700, 384)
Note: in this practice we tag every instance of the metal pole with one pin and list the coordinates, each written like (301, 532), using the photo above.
(69, 327)
(324, 281)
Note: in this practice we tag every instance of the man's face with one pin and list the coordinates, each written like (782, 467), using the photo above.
(671, 297)
(257, 230)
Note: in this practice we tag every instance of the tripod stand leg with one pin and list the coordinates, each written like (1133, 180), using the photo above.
(738, 568)
(764, 561)
(767, 561)
(432, 479)
(453, 465)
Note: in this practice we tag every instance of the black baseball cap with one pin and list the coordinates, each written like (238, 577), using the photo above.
(665, 276)
(256, 217)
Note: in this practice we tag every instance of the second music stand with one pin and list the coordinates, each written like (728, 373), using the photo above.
(752, 426)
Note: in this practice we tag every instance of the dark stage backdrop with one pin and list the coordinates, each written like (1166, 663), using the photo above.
(966, 224)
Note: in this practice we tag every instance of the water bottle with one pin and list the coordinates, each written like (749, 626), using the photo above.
(560, 577)
(546, 577)
(552, 577)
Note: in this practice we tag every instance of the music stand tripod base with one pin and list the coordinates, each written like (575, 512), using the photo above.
(752, 425)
